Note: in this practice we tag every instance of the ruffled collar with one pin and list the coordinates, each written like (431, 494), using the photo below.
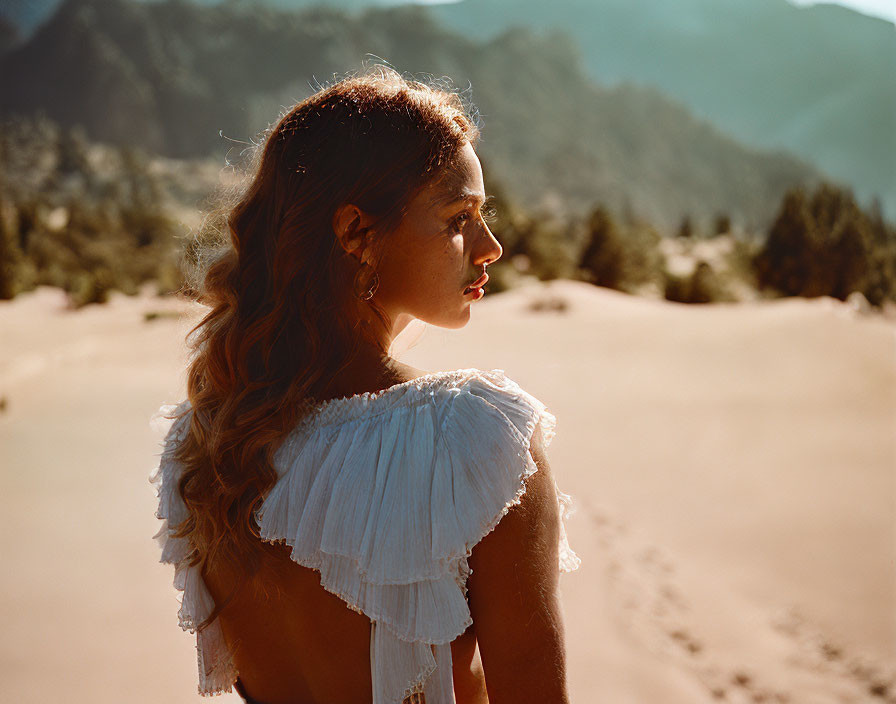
(347, 408)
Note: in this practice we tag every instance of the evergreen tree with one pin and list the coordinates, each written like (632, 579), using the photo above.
(784, 262)
(827, 246)
(10, 259)
(722, 224)
(603, 258)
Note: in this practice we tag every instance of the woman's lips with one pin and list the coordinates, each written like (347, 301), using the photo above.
(477, 284)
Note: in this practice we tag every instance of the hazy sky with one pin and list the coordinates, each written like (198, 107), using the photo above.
(879, 8)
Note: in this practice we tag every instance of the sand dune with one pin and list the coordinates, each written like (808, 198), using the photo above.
(733, 466)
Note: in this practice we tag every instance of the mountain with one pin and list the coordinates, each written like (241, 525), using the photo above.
(172, 77)
(819, 81)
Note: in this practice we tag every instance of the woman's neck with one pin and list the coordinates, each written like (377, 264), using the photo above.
(370, 370)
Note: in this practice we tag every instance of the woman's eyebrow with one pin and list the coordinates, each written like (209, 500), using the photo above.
(446, 199)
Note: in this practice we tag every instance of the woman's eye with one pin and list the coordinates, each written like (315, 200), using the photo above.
(487, 212)
(458, 223)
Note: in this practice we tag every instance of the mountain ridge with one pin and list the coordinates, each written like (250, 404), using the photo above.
(173, 77)
(818, 81)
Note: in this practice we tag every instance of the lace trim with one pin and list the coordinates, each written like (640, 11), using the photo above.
(414, 691)
(420, 382)
(337, 411)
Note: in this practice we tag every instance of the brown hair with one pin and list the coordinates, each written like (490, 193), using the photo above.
(283, 317)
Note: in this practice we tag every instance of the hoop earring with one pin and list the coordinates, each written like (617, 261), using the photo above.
(367, 294)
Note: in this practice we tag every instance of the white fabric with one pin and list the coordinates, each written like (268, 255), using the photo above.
(385, 494)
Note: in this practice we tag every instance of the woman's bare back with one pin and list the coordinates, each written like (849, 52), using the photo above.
(296, 643)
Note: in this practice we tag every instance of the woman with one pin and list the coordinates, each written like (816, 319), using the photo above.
(346, 528)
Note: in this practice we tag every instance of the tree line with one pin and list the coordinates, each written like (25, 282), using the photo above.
(93, 219)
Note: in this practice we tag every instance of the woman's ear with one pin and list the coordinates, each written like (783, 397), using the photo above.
(351, 225)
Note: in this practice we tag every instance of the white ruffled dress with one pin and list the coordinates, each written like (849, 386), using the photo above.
(385, 494)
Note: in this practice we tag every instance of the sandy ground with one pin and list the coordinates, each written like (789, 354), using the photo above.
(733, 467)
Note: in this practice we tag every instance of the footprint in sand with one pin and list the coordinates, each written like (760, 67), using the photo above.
(656, 613)
(859, 677)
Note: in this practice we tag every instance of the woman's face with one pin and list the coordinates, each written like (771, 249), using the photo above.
(439, 249)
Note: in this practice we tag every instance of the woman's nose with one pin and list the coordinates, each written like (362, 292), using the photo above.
(490, 250)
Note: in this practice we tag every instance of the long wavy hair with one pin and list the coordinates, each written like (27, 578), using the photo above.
(283, 318)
